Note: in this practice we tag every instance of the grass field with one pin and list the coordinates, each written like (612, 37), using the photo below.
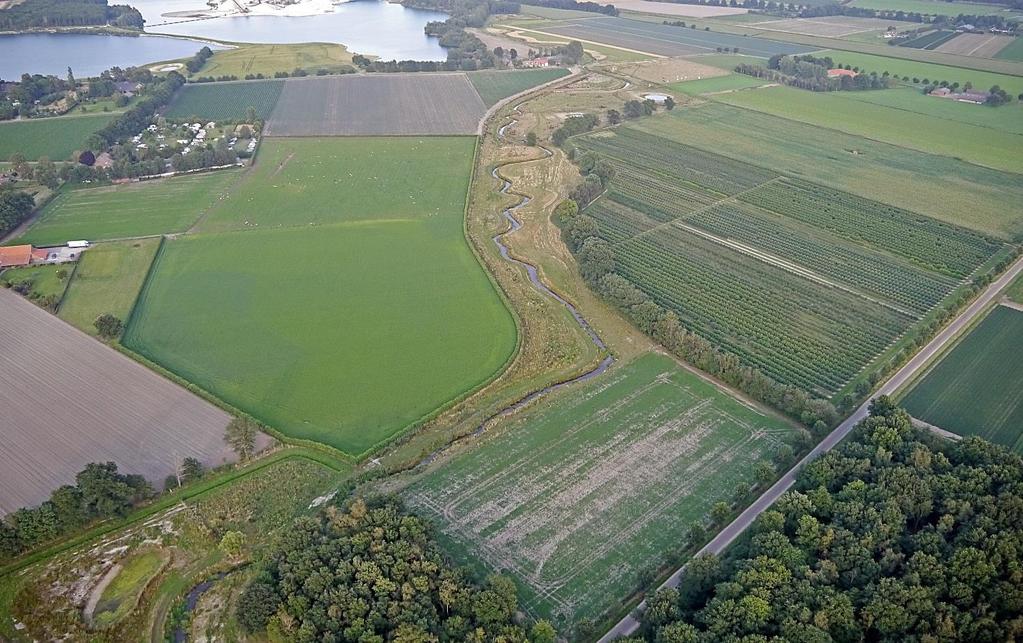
(727, 83)
(132, 210)
(581, 496)
(495, 85)
(44, 279)
(353, 311)
(55, 137)
(221, 101)
(940, 187)
(270, 59)
(1012, 52)
(1015, 290)
(977, 389)
(1006, 118)
(932, 7)
(955, 139)
(733, 249)
(107, 280)
(935, 73)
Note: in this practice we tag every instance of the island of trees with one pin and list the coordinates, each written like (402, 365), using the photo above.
(50, 14)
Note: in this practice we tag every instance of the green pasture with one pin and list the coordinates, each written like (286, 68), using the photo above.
(932, 7)
(977, 389)
(309, 181)
(55, 137)
(935, 73)
(223, 101)
(1015, 290)
(580, 497)
(955, 139)
(493, 86)
(727, 83)
(1013, 51)
(347, 331)
(1006, 118)
(130, 210)
(44, 279)
(107, 280)
(938, 186)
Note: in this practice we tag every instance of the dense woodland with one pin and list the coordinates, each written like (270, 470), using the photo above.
(15, 207)
(35, 14)
(897, 535)
(370, 571)
(810, 72)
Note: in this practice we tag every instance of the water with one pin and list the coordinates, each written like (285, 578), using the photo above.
(86, 54)
(369, 27)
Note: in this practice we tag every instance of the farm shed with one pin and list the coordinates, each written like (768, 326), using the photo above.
(838, 73)
(13, 256)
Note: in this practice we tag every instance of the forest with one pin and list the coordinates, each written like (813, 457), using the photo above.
(371, 571)
(68, 13)
(896, 535)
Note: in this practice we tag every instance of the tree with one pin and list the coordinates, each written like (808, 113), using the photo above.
(240, 435)
(256, 605)
(87, 158)
(720, 512)
(46, 173)
(250, 114)
(191, 470)
(531, 139)
(71, 84)
(233, 544)
(513, 54)
(61, 275)
(499, 51)
(764, 473)
(108, 326)
(614, 117)
(542, 632)
(669, 103)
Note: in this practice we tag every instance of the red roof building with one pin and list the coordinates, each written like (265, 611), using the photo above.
(13, 256)
(838, 73)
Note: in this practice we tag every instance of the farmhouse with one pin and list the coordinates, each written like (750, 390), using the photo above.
(14, 256)
(838, 73)
(24, 255)
(977, 98)
(537, 63)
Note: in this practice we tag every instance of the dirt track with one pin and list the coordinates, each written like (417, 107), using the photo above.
(67, 400)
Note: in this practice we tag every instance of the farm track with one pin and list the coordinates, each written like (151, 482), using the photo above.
(630, 624)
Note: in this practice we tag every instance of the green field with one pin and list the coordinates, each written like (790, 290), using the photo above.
(44, 279)
(1015, 290)
(935, 73)
(579, 497)
(734, 250)
(225, 101)
(932, 7)
(956, 139)
(141, 209)
(1006, 118)
(940, 187)
(977, 389)
(122, 594)
(1014, 51)
(270, 59)
(346, 331)
(107, 280)
(56, 138)
(730, 82)
(496, 85)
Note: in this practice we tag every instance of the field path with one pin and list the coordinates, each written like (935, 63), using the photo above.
(629, 624)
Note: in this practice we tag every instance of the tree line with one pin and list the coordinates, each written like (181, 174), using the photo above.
(15, 207)
(365, 569)
(896, 535)
(811, 73)
(32, 14)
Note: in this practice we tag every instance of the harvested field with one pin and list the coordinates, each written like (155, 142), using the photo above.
(374, 105)
(977, 389)
(228, 100)
(580, 497)
(669, 70)
(985, 45)
(666, 40)
(672, 9)
(69, 400)
(931, 7)
(831, 27)
(724, 83)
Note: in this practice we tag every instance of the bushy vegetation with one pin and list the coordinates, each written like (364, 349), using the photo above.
(136, 119)
(100, 491)
(15, 207)
(811, 72)
(372, 571)
(68, 13)
(895, 535)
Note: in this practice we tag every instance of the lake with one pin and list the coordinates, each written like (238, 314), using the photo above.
(382, 29)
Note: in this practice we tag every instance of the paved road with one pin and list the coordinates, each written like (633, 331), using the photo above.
(629, 624)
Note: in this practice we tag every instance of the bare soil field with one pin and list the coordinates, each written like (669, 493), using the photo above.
(831, 27)
(377, 105)
(67, 400)
(984, 45)
(672, 9)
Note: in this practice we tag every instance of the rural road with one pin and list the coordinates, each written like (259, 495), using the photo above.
(629, 624)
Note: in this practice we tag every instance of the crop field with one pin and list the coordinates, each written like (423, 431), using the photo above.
(141, 209)
(55, 138)
(493, 86)
(352, 311)
(345, 180)
(270, 59)
(977, 389)
(1012, 51)
(579, 497)
(985, 45)
(931, 7)
(832, 26)
(377, 104)
(666, 40)
(1007, 118)
(223, 101)
(930, 40)
(935, 73)
(734, 249)
(107, 280)
(956, 139)
(99, 406)
(943, 188)
(728, 83)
